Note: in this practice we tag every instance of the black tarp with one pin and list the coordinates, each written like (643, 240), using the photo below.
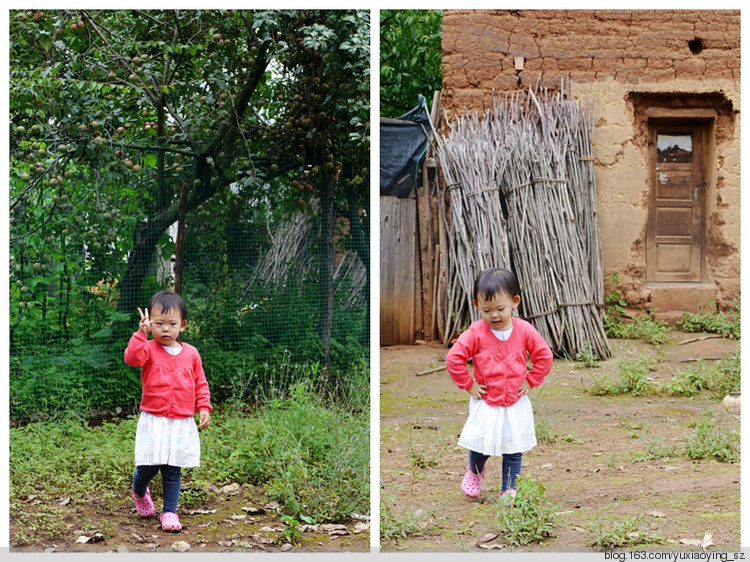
(403, 144)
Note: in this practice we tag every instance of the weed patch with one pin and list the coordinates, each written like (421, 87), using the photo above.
(395, 526)
(713, 322)
(716, 380)
(610, 532)
(710, 440)
(531, 518)
(632, 379)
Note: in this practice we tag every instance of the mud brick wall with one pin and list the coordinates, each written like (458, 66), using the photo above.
(621, 62)
(480, 49)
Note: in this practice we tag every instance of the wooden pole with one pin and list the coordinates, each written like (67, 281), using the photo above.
(180, 238)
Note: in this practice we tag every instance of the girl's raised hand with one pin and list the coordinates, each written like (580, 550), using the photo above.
(477, 390)
(145, 324)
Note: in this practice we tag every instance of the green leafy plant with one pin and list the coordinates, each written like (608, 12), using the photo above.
(715, 380)
(632, 379)
(291, 532)
(544, 431)
(611, 532)
(711, 440)
(657, 448)
(617, 325)
(713, 321)
(532, 517)
(395, 526)
(418, 459)
(586, 356)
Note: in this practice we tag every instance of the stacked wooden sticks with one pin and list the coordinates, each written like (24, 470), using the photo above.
(522, 194)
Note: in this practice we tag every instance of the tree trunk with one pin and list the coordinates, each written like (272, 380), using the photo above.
(327, 216)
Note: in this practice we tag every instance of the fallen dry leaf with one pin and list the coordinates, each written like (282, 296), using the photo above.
(708, 540)
(202, 512)
(238, 517)
(655, 513)
(65, 501)
(328, 527)
(253, 510)
(487, 538)
(492, 546)
(96, 537)
(272, 529)
(361, 527)
(286, 546)
(231, 489)
(181, 546)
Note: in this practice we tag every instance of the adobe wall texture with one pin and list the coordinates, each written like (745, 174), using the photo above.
(620, 61)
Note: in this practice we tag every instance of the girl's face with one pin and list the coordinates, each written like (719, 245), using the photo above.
(498, 310)
(166, 326)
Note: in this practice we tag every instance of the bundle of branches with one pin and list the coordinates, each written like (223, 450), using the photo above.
(470, 163)
(540, 145)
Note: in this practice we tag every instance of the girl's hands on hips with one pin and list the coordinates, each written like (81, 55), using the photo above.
(145, 324)
(477, 390)
(525, 387)
(204, 419)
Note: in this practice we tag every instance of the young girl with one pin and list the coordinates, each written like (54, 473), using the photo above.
(500, 418)
(174, 385)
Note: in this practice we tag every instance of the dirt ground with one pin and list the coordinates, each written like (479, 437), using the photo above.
(233, 519)
(588, 468)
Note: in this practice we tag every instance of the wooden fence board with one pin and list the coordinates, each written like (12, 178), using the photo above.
(397, 270)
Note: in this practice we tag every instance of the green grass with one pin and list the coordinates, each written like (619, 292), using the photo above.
(632, 378)
(310, 453)
(530, 518)
(612, 532)
(715, 380)
(395, 526)
(711, 440)
(713, 322)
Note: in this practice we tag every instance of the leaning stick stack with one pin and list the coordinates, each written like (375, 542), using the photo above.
(470, 166)
(522, 192)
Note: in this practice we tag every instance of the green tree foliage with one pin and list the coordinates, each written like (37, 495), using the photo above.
(410, 58)
(253, 114)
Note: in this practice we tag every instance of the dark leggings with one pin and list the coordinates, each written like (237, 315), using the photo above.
(511, 467)
(170, 479)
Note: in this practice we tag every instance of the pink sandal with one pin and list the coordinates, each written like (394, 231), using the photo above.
(471, 484)
(170, 522)
(144, 505)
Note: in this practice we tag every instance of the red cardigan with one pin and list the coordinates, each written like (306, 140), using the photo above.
(501, 365)
(173, 385)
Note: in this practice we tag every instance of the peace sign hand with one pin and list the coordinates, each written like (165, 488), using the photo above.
(145, 324)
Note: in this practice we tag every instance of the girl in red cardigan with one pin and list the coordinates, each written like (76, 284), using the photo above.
(501, 421)
(174, 386)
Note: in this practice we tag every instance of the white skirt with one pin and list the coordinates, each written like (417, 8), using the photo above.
(172, 441)
(494, 430)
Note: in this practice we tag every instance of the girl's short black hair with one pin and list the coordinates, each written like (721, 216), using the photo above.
(168, 300)
(496, 280)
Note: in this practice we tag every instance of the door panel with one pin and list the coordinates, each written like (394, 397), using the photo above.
(674, 237)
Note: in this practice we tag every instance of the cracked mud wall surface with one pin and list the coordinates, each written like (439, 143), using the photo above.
(617, 60)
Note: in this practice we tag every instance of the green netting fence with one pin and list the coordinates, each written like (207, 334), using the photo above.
(250, 280)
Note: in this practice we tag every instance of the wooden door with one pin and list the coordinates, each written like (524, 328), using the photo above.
(674, 237)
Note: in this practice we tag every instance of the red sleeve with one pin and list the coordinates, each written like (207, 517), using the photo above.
(458, 356)
(202, 394)
(136, 354)
(540, 355)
